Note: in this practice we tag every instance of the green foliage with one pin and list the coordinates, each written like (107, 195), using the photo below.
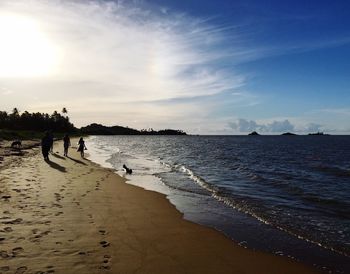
(35, 121)
(97, 129)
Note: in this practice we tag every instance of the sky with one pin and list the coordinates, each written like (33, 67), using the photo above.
(206, 67)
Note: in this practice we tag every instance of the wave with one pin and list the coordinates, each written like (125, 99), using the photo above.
(197, 179)
(240, 183)
(224, 196)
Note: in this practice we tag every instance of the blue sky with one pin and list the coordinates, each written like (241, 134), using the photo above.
(207, 67)
(303, 68)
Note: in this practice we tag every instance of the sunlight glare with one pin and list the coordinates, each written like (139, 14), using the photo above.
(24, 49)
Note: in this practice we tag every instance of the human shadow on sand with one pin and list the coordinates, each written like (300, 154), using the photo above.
(77, 161)
(56, 166)
(58, 156)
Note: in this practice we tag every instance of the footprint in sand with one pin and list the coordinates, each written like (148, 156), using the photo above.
(4, 254)
(105, 262)
(13, 222)
(51, 269)
(6, 197)
(16, 251)
(21, 270)
(4, 268)
(104, 243)
(57, 205)
(7, 229)
(102, 232)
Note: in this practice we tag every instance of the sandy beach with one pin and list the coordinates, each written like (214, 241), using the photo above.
(70, 215)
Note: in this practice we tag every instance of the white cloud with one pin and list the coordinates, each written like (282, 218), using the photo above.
(130, 51)
(123, 52)
(128, 63)
(273, 126)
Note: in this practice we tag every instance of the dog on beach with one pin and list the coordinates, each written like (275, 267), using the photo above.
(16, 144)
(127, 170)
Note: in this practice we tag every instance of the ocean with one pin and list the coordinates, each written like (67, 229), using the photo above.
(287, 195)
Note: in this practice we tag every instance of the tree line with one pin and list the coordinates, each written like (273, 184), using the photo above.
(57, 122)
(98, 129)
(36, 121)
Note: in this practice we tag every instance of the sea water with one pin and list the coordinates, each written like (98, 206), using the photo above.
(289, 195)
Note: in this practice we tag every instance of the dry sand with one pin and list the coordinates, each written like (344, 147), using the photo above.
(72, 216)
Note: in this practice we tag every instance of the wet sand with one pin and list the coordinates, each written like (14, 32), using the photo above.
(70, 215)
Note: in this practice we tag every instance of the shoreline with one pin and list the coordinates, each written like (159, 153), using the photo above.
(238, 225)
(72, 216)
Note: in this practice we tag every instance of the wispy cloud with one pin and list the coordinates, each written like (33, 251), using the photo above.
(126, 62)
(125, 53)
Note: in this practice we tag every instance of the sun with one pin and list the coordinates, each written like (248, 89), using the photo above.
(25, 51)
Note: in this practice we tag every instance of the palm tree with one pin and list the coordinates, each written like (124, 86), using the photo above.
(15, 112)
(64, 111)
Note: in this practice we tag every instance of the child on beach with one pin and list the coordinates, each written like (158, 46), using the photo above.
(81, 147)
(66, 144)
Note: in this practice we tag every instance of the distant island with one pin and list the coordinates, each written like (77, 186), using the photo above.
(318, 133)
(288, 134)
(98, 129)
(254, 133)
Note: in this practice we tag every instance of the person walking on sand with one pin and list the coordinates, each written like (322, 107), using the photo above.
(81, 147)
(46, 145)
(66, 144)
(51, 141)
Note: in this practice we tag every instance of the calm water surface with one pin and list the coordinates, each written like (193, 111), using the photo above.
(289, 195)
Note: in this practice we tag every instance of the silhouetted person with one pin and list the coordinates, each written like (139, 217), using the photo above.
(51, 141)
(82, 146)
(66, 144)
(46, 145)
